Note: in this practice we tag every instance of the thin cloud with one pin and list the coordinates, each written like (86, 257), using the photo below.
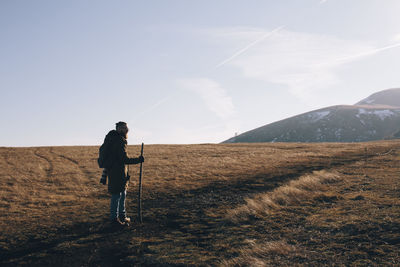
(301, 61)
(241, 51)
(214, 96)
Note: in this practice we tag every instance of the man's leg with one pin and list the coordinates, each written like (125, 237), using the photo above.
(122, 210)
(115, 200)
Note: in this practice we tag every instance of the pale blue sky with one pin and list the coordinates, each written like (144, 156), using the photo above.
(185, 71)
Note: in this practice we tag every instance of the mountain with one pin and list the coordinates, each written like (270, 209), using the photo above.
(376, 117)
(390, 97)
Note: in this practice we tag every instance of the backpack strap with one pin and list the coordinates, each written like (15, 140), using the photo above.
(128, 176)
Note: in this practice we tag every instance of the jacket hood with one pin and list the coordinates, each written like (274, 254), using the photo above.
(112, 135)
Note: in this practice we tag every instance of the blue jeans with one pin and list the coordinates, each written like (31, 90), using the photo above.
(117, 206)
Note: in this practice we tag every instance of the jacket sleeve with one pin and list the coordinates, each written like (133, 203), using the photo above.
(123, 156)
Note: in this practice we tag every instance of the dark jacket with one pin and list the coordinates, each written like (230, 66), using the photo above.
(117, 173)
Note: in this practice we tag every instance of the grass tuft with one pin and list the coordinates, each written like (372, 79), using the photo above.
(304, 189)
(263, 254)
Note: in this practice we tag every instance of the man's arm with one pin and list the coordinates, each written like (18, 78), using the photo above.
(123, 156)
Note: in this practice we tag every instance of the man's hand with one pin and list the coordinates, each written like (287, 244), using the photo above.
(141, 159)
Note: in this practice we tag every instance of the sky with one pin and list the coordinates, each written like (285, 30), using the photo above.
(185, 72)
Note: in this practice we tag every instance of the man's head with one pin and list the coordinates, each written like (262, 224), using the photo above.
(122, 128)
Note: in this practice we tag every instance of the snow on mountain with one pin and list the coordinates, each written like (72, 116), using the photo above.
(382, 114)
(316, 116)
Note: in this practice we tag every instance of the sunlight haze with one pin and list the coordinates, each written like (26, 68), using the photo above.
(185, 71)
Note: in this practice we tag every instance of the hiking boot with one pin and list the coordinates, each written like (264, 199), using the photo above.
(116, 223)
(124, 219)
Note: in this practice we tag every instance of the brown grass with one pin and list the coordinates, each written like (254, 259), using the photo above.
(311, 204)
(304, 189)
(270, 253)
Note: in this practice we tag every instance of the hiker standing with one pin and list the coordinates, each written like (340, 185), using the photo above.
(116, 159)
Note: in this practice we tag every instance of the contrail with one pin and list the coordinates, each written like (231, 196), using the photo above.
(153, 107)
(241, 51)
(361, 55)
(157, 104)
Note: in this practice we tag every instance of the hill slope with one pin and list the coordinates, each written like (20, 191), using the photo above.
(374, 118)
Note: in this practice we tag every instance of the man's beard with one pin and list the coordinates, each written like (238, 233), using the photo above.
(124, 135)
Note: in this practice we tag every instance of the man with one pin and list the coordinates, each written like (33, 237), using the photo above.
(117, 173)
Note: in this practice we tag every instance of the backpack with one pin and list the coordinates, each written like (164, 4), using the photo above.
(104, 155)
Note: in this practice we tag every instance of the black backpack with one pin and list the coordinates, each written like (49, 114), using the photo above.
(104, 159)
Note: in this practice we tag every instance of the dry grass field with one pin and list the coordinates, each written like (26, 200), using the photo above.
(206, 205)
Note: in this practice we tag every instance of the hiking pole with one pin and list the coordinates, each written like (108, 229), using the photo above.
(140, 190)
